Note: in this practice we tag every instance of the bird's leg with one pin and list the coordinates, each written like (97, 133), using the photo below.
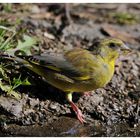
(75, 108)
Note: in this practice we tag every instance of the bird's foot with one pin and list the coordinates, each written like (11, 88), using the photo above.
(78, 112)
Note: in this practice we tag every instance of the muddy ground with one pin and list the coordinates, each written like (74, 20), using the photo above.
(43, 110)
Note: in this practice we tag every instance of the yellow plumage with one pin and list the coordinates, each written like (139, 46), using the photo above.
(78, 70)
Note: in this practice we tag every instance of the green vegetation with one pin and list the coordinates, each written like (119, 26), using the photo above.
(7, 7)
(9, 45)
(124, 18)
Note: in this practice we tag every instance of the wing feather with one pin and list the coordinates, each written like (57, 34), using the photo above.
(68, 64)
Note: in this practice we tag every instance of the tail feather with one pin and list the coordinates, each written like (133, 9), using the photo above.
(13, 58)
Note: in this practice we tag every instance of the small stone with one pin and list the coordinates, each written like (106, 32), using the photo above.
(33, 102)
(42, 104)
(53, 106)
(35, 9)
(48, 35)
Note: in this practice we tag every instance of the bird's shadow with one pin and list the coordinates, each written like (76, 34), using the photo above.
(44, 91)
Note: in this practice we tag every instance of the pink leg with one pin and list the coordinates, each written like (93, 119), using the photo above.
(75, 108)
(78, 112)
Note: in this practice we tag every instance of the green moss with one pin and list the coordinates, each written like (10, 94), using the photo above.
(124, 18)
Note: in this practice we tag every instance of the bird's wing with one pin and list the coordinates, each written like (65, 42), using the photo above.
(68, 64)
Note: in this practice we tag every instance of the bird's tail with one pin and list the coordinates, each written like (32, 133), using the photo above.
(17, 59)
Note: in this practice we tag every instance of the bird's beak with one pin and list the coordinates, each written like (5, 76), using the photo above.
(125, 49)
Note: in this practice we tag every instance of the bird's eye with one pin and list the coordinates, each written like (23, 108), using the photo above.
(112, 45)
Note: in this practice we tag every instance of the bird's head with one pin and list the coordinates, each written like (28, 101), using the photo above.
(111, 48)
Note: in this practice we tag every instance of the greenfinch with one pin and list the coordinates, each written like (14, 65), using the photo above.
(78, 70)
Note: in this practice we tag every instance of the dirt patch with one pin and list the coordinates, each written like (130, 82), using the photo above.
(43, 106)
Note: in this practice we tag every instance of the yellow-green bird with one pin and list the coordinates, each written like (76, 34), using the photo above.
(78, 70)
